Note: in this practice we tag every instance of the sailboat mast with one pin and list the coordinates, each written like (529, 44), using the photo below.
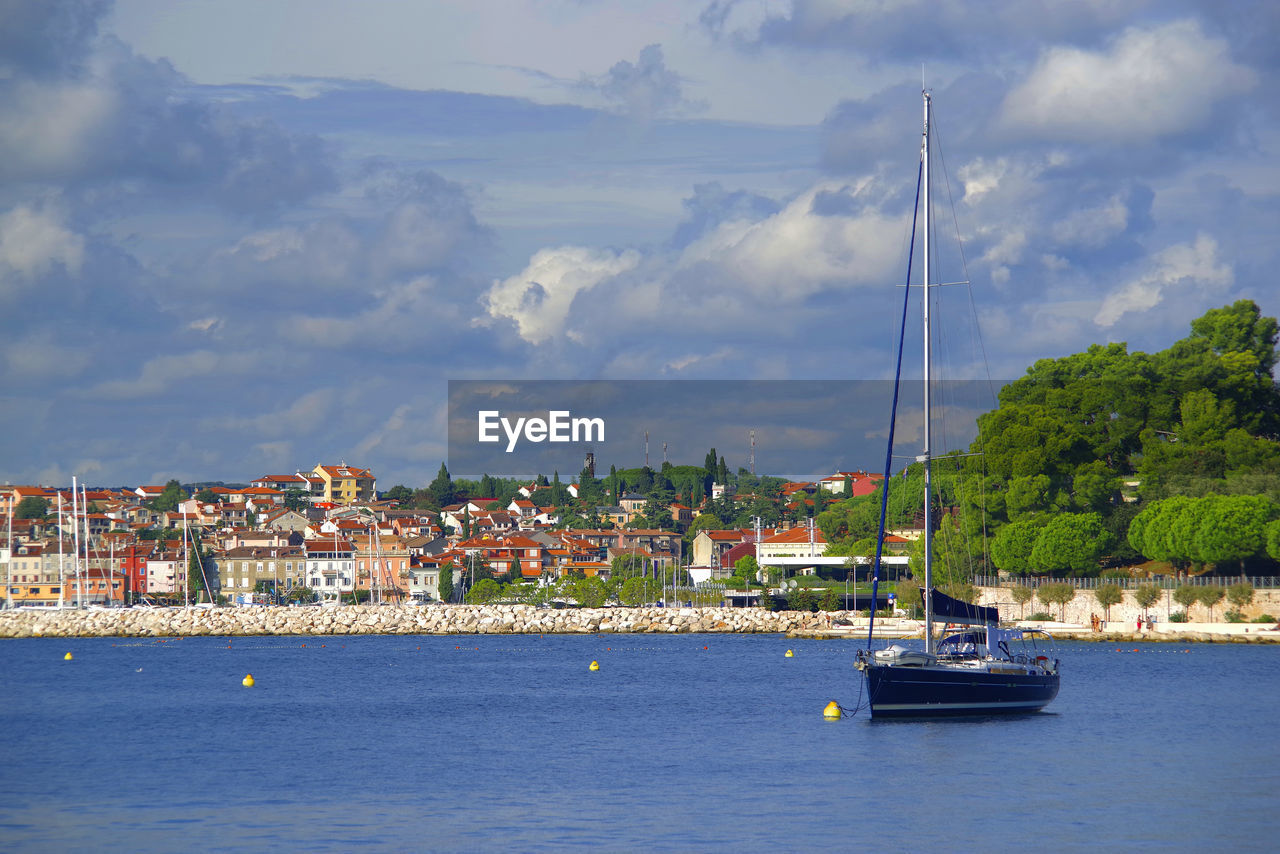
(75, 541)
(928, 463)
(62, 574)
(8, 584)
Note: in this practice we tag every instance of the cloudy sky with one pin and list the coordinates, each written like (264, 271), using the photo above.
(241, 237)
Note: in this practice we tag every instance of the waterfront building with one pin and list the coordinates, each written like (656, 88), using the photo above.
(343, 484)
(241, 570)
(330, 566)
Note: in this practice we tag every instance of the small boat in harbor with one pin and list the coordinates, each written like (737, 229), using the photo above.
(982, 669)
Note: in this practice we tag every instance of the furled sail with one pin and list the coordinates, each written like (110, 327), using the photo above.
(949, 610)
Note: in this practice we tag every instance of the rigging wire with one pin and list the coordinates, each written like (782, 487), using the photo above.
(888, 455)
(982, 354)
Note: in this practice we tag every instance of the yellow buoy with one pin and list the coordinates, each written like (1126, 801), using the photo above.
(247, 681)
(595, 665)
(789, 654)
(66, 657)
(832, 711)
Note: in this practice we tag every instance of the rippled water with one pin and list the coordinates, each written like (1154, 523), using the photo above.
(692, 742)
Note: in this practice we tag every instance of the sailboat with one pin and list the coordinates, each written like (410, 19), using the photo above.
(982, 669)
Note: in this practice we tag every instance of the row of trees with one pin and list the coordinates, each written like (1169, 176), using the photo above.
(1218, 529)
(1061, 593)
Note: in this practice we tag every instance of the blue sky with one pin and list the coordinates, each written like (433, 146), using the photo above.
(238, 238)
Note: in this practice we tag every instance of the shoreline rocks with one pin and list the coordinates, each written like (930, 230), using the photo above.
(499, 620)
(404, 619)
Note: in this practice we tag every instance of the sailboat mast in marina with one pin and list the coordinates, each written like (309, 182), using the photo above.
(983, 669)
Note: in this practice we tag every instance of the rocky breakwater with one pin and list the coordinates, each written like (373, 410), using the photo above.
(403, 620)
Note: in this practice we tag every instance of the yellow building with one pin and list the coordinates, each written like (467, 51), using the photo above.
(345, 484)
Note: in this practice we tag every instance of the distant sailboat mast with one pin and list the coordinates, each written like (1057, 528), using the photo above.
(62, 574)
(84, 517)
(8, 585)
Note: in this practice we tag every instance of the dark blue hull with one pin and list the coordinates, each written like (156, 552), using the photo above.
(925, 692)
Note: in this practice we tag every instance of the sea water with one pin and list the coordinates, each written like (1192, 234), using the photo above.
(676, 743)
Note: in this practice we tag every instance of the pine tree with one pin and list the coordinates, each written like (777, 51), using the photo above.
(441, 489)
(445, 585)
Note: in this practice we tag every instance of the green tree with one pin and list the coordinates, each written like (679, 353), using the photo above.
(637, 591)
(441, 489)
(907, 594)
(198, 582)
(588, 592)
(168, 500)
(1233, 527)
(1209, 596)
(1012, 545)
(1108, 595)
(31, 507)
(484, 591)
(746, 567)
(207, 496)
(1146, 595)
(1154, 526)
(803, 599)
(1240, 595)
(1071, 541)
(398, 493)
(1057, 593)
(1022, 594)
(296, 499)
(1186, 596)
(445, 584)
(1272, 533)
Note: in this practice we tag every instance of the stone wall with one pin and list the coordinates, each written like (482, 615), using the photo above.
(1078, 610)
(403, 619)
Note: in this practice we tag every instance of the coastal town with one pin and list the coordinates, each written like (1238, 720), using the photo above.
(327, 533)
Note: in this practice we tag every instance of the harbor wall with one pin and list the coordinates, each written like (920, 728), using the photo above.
(1079, 609)
(404, 619)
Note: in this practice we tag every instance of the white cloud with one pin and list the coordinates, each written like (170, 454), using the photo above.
(399, 316)
(41, 356)
(1005, 253)
(1151, 81)
(797, 252)
(48, 126)
(644, 90)
(539, 297)
(304, 416)
(1094, 226)
(276, 456)
(323, 253)
(981, 177)
(160, 374)
(35, 240)
(1195, 264)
